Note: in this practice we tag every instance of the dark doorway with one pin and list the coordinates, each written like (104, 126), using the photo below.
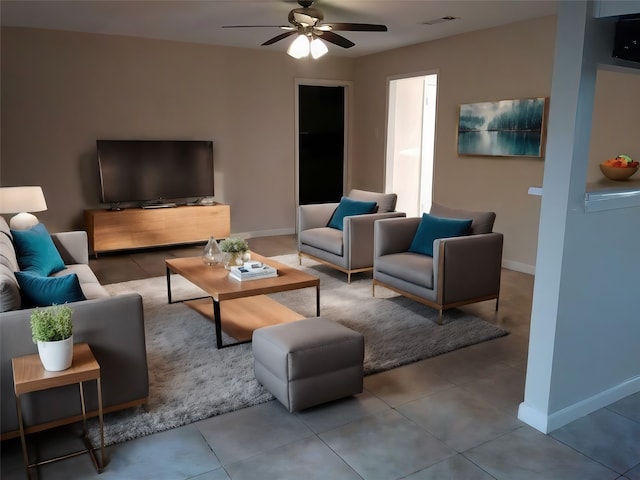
(320, 143)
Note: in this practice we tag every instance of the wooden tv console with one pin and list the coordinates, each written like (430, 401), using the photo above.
(131, 228)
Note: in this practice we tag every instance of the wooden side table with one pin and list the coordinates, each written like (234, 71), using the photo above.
(30, 376)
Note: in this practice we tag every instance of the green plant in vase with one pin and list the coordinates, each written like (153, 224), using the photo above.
(235, 250)
(52, 331)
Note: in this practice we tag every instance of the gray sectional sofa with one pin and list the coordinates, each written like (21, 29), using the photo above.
(112, 326)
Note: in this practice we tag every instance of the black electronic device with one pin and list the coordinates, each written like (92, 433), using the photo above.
(155, 171)
(626, 45)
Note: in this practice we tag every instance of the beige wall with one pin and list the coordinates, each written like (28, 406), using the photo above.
(62, 91)
(512, 61)
(508, 62)
(616, 124)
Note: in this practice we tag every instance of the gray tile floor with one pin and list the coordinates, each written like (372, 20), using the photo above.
(449, 417)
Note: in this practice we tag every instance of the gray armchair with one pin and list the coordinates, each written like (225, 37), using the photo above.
(349, 250)
(462, 270)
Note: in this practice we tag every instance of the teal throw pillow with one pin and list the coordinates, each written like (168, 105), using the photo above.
(347, 208)
(36, 252)
(38, 291)
(432, 227)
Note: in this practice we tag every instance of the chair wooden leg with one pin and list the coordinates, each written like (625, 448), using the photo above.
(299, 259)
(440, 317)
(348, 277)
(497, 300)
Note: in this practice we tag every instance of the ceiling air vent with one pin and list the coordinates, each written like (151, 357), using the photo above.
(439, 20)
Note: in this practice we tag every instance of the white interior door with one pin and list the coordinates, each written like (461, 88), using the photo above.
(411, 141)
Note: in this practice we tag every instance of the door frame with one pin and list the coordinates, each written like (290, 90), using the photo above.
(402, 76)
(348, 107)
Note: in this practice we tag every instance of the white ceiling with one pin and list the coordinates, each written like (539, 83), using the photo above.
(201, 21)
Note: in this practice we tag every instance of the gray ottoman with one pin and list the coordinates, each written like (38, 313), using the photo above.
(308, 362)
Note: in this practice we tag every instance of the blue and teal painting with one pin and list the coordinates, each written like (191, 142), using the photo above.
(504, 128)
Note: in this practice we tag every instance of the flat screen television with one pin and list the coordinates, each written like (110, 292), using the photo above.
(154, 171)
(626, 44)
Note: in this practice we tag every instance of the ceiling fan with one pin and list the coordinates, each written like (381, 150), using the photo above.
(307, 23)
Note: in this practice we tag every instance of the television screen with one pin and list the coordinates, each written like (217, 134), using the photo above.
(154, 170)
(627, 40)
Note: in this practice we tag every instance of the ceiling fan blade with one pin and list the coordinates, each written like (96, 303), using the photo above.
(337, 39)
(357, 27)
(251, 26)
(277, 38)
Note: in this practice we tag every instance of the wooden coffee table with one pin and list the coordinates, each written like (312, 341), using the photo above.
(246, 304)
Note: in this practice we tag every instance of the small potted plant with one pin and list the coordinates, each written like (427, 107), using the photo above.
(52, 331)
(235, 250)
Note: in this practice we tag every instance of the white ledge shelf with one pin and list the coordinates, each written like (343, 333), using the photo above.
(605, 194)
(597, 198)
(610, 199)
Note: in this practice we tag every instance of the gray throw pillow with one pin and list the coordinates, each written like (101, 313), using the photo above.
(482, 222)
(386, 201)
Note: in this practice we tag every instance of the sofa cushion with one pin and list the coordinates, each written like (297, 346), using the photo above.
(8, 254)
(432, 227)
(349, 207)
(4, 227)
(88, 281)
(324, 238)
(482, 222)
(412, 267)
(39, 291)
(9, 291)
(92, 291)
(386, 201)
(36, 252)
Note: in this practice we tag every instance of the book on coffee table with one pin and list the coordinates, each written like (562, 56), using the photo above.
(252, 271)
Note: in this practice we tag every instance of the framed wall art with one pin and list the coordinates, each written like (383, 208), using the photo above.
(506, 128)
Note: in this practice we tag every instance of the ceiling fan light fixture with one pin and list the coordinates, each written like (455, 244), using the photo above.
(300, 47)
(306, 23)
(318, 48)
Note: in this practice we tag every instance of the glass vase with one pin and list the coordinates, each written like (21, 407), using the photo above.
(212, 255)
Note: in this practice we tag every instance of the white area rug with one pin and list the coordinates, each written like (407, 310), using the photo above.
(189, 379)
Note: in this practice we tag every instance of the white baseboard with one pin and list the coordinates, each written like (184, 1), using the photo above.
(266, 233)
(519, 267)
(549, 423)
(534, 418)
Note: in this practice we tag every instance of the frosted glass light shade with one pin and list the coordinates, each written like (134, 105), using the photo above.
(22, 200)
(299, 47)
(318, 48)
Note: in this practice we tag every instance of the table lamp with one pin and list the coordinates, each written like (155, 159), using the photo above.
(22, 200)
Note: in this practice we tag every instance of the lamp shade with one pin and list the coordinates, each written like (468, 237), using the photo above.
(21, 200)
(318, 48)
(299, 47)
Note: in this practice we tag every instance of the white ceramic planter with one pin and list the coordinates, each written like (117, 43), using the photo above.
(56, 356)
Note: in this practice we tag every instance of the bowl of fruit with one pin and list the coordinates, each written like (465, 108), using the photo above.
(619, 168)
